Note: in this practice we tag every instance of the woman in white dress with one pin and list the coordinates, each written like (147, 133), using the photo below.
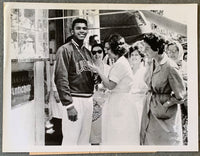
(100, 94)
(139, 86)
(119, 118)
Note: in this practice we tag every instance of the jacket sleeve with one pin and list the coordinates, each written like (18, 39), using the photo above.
(176, 82)
(61, 75)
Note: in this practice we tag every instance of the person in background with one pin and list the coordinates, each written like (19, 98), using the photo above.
(55, 108)
(174, 51)
(136, 60)
(100, 94)
(93, 39)
(161, 119)
(75, 84)
(119, 116)
(106, 58)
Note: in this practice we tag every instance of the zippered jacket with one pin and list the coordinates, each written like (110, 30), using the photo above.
(72, 75)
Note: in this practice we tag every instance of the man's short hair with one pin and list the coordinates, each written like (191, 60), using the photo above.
(78, 20)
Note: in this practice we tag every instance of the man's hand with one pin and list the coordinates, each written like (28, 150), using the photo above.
(93, 67)
(72, 113)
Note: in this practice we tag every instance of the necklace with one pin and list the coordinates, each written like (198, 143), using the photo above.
(87, 61)
(74, 43)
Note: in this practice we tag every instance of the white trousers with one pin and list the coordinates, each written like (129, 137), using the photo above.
(78, 132)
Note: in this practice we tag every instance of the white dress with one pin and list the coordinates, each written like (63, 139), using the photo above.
(119, 116)
(139, 89)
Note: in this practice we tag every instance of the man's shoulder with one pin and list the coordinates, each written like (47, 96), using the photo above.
(67, 47)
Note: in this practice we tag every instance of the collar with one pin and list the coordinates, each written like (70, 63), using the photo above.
(164, 60)
(158, 65)
(76, 44)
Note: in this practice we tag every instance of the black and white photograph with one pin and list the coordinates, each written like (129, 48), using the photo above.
(100, 77)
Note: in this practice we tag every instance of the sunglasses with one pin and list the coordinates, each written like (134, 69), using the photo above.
(98, 51)
(121, 43)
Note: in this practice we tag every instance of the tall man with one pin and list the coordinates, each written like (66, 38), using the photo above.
(75, 84)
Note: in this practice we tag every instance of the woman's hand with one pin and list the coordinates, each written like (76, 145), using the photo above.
(93, 67)
(172, 102)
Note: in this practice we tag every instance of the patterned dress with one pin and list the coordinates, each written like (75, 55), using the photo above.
(99, 98)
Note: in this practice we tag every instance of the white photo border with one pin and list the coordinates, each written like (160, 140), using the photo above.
(191, 18)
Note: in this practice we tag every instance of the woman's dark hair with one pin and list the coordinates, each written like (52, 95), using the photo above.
(135, 48)
(114, 37)
(156, 42)
(78, 20)
(101, 46)
(92, 40)
(114, 45)
(106, 40)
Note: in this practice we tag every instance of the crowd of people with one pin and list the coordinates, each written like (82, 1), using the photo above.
(120, 94)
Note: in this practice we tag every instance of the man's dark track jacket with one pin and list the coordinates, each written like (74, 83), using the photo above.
(72, 75)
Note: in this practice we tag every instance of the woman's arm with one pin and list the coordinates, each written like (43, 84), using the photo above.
(173, 101)
(177, 84)
(106, 82)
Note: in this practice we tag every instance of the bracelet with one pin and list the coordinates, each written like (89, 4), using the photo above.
(70, 108)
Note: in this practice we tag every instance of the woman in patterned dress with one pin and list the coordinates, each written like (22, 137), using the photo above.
(100, 94)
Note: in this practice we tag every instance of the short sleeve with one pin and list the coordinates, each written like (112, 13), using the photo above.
(117, 72)
(177, 83)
